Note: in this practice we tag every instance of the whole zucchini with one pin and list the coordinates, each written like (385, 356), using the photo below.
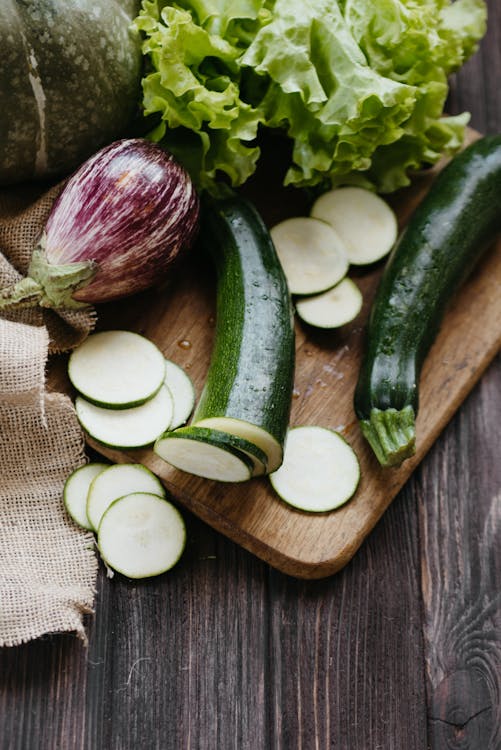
(248, 388)
(70, 73)
(450, 229)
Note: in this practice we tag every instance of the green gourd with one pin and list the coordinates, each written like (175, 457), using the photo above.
(70, 73)
(447, 234)
(248, 388)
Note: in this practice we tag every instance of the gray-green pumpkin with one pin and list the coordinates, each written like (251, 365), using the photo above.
(70, 74)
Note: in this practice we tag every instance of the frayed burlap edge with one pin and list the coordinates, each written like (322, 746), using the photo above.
(48, 565)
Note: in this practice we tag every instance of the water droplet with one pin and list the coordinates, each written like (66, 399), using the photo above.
(296, 393)
(321, 383)
(184, 344)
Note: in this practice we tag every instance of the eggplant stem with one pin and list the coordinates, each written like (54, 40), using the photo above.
(24, 294)
(48, 285)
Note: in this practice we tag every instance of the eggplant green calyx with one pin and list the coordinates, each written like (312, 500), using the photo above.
(391, 434)
(48, 285)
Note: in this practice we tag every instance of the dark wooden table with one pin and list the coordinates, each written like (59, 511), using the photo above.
(399, 651)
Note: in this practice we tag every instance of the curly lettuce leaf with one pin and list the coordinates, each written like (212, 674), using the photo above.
(194, 84)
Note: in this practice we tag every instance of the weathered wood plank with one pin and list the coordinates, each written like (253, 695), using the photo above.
(180, 662)
(459, 490)
(460, 510)
(42, 689)
(347, 652)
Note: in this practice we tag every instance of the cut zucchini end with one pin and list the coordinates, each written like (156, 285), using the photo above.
(204, 455)
(250, 432)
(391, 434)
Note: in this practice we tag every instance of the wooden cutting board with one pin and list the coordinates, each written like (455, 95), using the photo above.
(180, 320)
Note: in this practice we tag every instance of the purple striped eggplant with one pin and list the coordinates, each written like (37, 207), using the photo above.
(116, 228)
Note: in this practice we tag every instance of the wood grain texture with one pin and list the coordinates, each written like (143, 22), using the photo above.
(458, 492)
(224, 653)
(180, 320)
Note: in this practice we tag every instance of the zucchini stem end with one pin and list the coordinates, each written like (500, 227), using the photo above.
(391, 434)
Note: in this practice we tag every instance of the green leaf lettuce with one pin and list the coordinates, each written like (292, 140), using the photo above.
(359, 86)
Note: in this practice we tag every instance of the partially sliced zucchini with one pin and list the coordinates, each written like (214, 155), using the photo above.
(76, 489)
(364, 221)
(117, 369)
(116, 481)
(141, 535)
(320, 471)
(182, 391)
(206, 453)
(333, 308)
(248, 388)
(311, 252)
(127, 428)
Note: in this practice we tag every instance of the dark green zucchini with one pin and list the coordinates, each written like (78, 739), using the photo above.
(458, 219)
(248, 389)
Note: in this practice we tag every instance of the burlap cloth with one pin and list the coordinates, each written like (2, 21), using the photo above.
(48, 566)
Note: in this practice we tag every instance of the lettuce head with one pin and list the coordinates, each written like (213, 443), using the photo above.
(358, 86)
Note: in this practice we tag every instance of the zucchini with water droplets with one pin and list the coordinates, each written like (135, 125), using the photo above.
(447, 234)
(248, 389)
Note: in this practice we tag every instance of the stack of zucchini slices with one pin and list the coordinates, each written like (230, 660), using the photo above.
(348, 226)
(129, 394)
(139, 533)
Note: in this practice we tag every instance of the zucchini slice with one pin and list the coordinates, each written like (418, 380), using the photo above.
(76, 489)
(311, 252)
(250, 378)
(116, 481)
(117, 369)
(320, 470)
(207, 453)
(250, 433)
(451, 228)
(365, 222)
(126, 428)
(141, 535)
(333, 308)
(182, 391)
